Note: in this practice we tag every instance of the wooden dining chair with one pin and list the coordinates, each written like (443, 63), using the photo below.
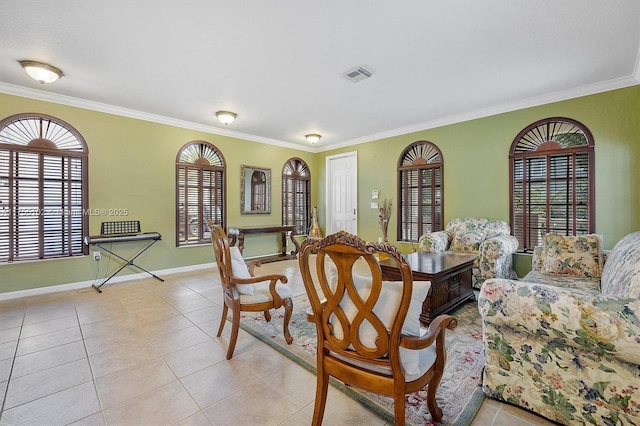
(369, 329)
(243, 291)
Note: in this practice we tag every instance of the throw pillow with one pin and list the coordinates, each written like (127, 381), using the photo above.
(467, 242)
(577, 255)
(239, 270)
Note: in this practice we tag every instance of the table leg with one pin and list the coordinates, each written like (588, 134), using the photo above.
(241, 242)
(427, 310)
(295, 243)
(284, 243)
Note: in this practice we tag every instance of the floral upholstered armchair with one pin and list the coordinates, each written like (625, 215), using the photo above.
(565, 341)
(489, 239)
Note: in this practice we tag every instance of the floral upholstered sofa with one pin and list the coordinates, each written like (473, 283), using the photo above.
(489, 239)
(565, 341)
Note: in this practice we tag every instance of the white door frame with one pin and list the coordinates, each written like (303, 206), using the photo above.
(352, 158)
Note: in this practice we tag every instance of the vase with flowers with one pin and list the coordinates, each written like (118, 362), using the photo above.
(384, 214)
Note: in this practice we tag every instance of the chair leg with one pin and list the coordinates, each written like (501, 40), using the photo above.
(436, 412)
(288, 310)
(267, 315)
(399, 408)
(235, 326)
(441, 360)
(223, 320)
(322, 387)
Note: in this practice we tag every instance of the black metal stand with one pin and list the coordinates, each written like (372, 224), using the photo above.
(128, 262)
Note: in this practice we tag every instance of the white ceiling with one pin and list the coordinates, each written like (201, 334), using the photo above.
(279, 64)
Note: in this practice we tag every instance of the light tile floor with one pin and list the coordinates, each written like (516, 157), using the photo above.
(145, 353)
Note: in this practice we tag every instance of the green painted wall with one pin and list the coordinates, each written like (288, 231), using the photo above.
(476, 164)
(132, 166)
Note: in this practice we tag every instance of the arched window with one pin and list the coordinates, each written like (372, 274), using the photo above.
(201, 192)
(43, 188)
(420, 191)
(552, 181)
(296, 195)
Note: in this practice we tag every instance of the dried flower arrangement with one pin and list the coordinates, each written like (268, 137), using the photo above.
(384, 209)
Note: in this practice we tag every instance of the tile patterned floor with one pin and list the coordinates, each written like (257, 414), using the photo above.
(145, 353)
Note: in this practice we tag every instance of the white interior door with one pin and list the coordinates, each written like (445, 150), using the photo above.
(342, 193)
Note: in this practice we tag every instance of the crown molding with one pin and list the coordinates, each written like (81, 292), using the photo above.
(636, 73)
(45, 96)
(497, 109)
(605, 86)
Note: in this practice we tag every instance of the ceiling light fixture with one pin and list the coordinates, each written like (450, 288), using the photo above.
(41, 72)
(226, 117)
(313, 138)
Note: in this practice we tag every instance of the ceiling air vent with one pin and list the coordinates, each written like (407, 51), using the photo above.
(358, 74)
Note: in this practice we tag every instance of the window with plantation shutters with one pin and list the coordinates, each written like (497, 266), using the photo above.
(420, 192)
(552, 181)
(200, 192)
(296, 195)
(43, 189)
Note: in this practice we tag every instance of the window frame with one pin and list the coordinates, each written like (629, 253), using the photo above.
(420, 157)
(549, 141)
(196, 158)
(55, 147)
(296, 172)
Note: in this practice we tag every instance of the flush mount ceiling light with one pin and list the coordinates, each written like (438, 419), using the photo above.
(226, 117)
(41, 72)
(313, 138)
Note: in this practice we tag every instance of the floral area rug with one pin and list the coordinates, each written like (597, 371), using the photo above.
(459, 395)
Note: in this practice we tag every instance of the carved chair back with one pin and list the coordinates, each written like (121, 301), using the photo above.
(350, 280)
(223, 256)
(361, 322)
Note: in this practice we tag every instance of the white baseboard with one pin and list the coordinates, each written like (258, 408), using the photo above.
(88, 284)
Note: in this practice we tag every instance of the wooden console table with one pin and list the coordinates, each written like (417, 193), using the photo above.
(237, 234)
(450, 276)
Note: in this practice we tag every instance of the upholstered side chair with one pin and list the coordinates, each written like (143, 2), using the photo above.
(243, 291)
(368, 329)
(490, 240)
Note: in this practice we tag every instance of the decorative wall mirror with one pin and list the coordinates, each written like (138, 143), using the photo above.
(255, 190)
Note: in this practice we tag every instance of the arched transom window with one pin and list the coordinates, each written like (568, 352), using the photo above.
(201, 195)
(296, 195)
(552, 181)
(420, 192)
(43, 188)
